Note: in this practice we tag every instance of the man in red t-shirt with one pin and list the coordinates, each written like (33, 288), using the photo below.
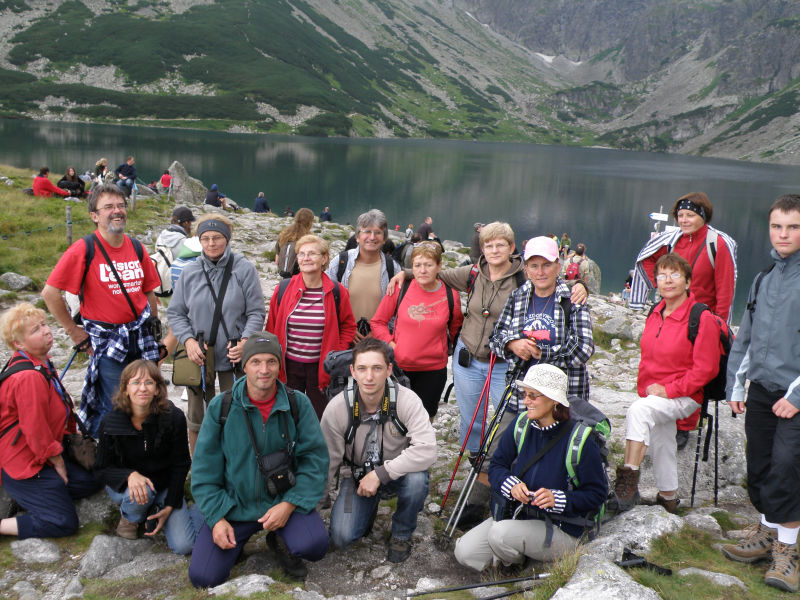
(115, 321)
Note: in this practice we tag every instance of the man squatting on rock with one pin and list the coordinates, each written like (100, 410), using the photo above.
(767, 353)
(115, 320)
(231, 489)
(380, 456)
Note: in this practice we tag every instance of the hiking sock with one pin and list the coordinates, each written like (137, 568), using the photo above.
(631, 467)
(766, 523)
(787, 535)
(667, 496)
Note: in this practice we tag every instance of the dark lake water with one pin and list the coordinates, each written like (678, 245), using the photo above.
(599, 197)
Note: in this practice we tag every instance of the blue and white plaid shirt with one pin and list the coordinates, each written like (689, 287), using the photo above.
(112, 343)
(568, 351)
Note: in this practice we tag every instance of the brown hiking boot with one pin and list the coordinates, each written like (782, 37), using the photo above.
(756, 545)
(127, 529)
(626, 490)
(671, 505)
(783, 572)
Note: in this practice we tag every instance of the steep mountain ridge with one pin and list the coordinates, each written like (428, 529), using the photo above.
(716, 77)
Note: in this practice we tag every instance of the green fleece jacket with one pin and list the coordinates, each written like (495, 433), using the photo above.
(226, 482)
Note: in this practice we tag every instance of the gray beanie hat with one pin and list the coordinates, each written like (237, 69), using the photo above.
(261, 343)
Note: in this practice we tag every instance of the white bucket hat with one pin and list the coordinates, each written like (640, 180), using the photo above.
(548, 380)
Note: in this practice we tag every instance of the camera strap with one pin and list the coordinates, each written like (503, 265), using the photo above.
(289, 442)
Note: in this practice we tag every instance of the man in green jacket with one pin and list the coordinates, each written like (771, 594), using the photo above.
(236, 496)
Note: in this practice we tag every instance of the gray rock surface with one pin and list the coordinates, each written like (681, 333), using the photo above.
(26, 591)
(635, 529)
(35, 550)
(245, 586)
(107, 552)
(74, 589)
(186, 189)
(722, 579)
(598, 577)
(144, 563)
(16, 282)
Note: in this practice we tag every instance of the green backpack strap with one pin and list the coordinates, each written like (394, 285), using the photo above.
(521, 430)
(580, 433)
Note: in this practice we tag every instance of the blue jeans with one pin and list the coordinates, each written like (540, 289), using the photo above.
(109, 372)
(48, 501)
(303, 534)
(352, 515)
(181, 527)
(468, 383)
(126, 185)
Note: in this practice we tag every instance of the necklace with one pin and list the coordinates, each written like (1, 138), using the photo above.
(547, 302)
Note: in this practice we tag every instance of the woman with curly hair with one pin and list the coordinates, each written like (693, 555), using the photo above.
(285, 251)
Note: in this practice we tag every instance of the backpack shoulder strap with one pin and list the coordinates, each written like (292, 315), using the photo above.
(711, 246)
(137, 247)
(401, 295)
(401, 427)
(694, 320)
(282, 288)
(389, 266)
(88, 241)
(14, 366)
(580, 433)
(293, 406)
(224, 410)
(751, 305)
(450, 304)
(566, 307)
(472, 278)
(520, 278)
(353, 412)
(342, 265)
(520, 430)
(337, 298)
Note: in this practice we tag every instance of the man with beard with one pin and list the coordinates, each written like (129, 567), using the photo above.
(114, 278)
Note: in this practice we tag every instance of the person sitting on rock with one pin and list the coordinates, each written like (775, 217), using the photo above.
(390, 450)
(238, 494)
(126, 176)
(216, 198)
(72, 183)
(553, 512)
(260, 204)
(42, 186)
(672, 374)
(163, 185)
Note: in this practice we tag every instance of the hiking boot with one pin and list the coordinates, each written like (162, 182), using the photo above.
(671, 505)
(127, 529)
(783, 572)
(292, 565)
(682, 438)
(626, 490)
(755, 546)
(399, 550)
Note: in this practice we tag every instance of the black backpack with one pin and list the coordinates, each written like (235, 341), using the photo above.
(337, 365)
(287, 260)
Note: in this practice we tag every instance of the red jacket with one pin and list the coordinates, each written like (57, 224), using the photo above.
(42, 186)
(43, 418)
(336, 335)
(712, 287)
(669, 358)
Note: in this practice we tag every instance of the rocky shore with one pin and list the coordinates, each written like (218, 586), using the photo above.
(97, 564)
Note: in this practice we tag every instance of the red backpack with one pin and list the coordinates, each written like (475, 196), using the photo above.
(573, 270)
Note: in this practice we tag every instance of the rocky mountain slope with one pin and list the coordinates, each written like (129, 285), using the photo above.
(713, 77)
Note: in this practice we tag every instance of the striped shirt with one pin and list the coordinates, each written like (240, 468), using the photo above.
(304, 327)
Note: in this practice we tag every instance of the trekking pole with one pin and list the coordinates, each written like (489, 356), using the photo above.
(81, 347)
(716, 452)
(703, 410)
(200, 336)
(231, 343)
(472, 586)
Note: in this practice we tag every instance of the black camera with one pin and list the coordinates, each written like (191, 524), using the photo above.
(360, 472)
(153, 324)
(276, 469)
(151, 524)
(464, 357)
(363, 326)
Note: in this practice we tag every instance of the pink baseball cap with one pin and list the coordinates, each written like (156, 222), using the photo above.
(542, 246)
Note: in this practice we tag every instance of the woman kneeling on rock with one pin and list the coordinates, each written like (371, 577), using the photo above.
(672, 374)
(143, 459)
(36, 414)
(528, 470)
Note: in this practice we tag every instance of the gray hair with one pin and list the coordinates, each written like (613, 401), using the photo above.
(108, 189)
(373, 217)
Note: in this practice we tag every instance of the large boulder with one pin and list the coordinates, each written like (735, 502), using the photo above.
(598, 577)
(185, 189)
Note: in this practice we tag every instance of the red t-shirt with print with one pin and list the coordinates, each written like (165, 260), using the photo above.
(103, 300)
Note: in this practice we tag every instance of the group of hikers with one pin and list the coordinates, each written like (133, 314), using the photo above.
(329, 395)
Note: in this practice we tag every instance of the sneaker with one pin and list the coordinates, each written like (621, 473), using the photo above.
(671, 505)
(755, 546)
(682, 438)
(783, 573)
(292, 565)
(127, 529)
(399, 550)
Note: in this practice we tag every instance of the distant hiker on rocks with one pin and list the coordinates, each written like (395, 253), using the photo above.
(116, 279)
(42, 186)
(285, 251)
(767, 354)
(100, 171)
(325, 216)
(475, 244)
(126, 176)
(164, 183)
(216, 198)
(288, 212)
(564, 245)
(260, 465)
(380, 442)
(365, 270)
(672, 373)
(425, 230)
(551, 508)
(36, 413)
(580, 266)
(260, 204)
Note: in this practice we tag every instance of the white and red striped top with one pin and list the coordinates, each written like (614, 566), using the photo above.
(304, 327)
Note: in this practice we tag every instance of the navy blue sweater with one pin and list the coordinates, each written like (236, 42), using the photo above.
(551, 472)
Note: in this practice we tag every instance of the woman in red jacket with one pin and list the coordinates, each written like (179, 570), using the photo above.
(35, 415)
(309, 322)
(42, 186)
(423, 325)
(672, 374)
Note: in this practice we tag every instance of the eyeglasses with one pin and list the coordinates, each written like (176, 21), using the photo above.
(496, 246)
(675, 275)
(212, 239)
(112, 207)
(310, 254)
(375, 232)
(533, 395)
